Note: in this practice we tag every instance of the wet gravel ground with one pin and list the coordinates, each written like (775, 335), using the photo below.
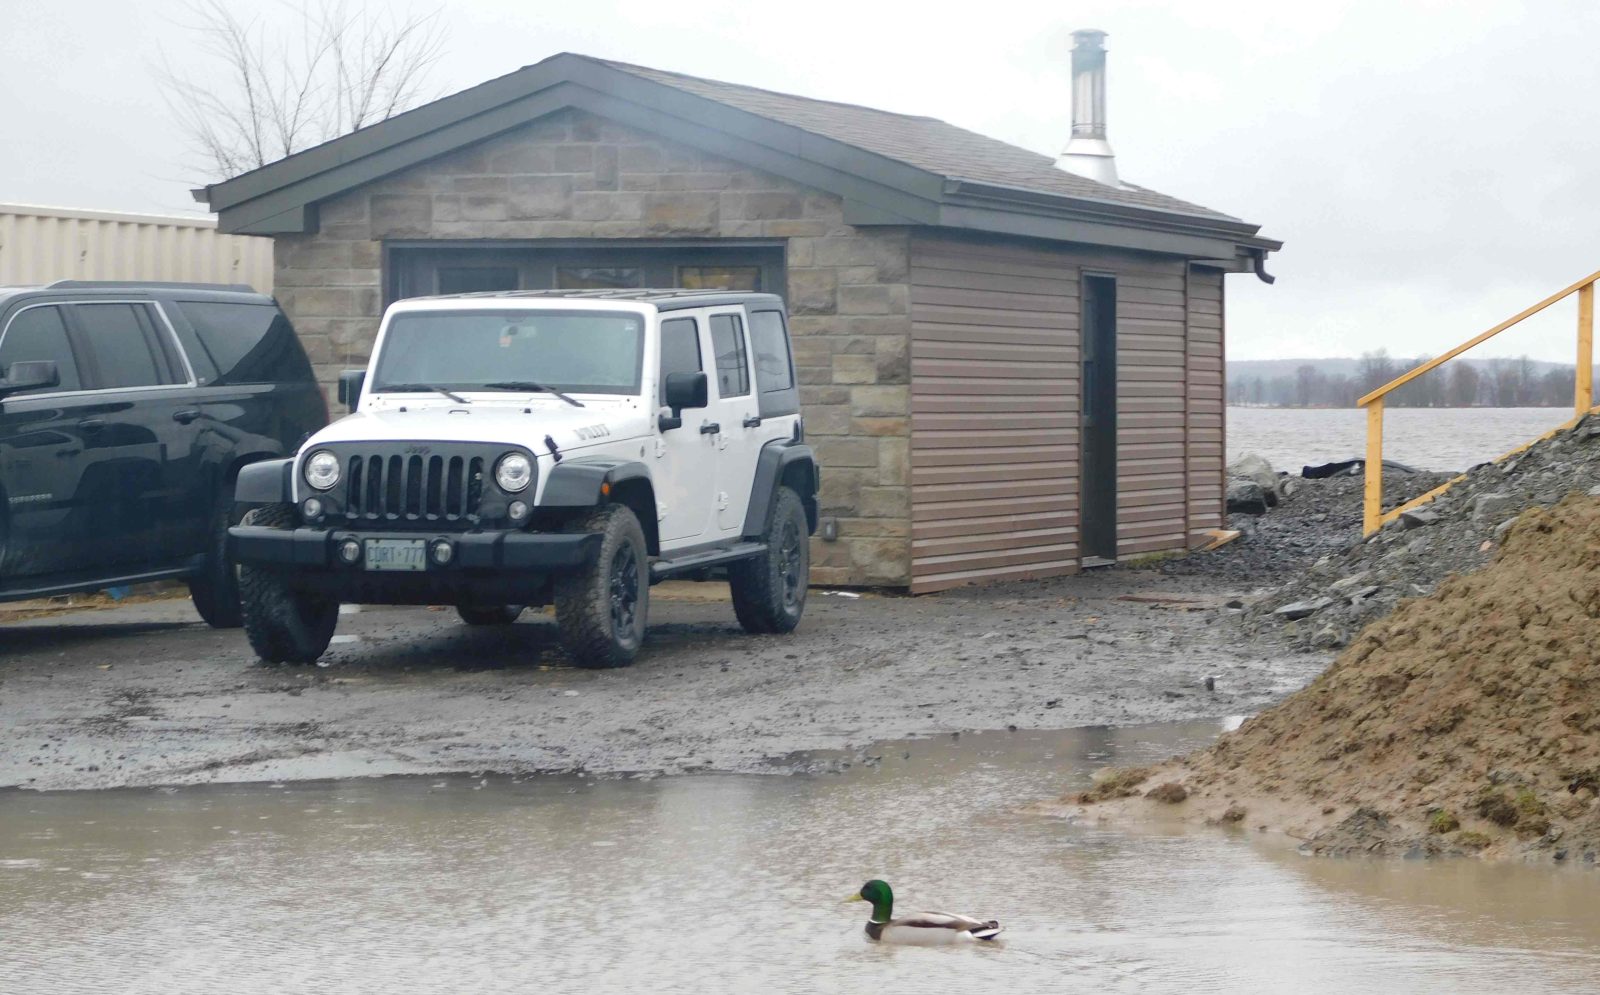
(145, 694)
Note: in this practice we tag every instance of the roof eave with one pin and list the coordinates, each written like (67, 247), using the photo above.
(1029, 201)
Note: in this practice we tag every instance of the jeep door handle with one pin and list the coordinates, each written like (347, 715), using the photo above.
(710, 428)
(752, 421)
(186, 415)
(91, 424)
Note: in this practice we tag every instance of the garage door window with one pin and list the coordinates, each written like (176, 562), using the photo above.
(476, 279)
(720, 277)
(598, 277)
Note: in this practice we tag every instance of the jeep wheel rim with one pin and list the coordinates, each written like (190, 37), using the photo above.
(789, 558)
(624, 591)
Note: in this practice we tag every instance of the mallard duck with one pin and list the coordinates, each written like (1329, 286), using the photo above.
(921, 927)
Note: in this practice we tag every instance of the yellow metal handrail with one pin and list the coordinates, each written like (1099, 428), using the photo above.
(1373, 517)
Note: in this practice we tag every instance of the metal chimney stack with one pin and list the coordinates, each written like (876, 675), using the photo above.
(1088, 154)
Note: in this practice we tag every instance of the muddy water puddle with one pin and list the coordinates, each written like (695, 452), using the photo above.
(733, 883)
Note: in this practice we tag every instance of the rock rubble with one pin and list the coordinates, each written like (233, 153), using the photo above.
(1360, 580)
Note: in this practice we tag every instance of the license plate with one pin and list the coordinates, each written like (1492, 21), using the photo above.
(396, 554)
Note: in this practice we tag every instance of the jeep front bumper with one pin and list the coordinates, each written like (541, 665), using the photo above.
(319, 548)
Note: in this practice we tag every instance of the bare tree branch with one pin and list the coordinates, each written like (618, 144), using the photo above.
(248, 92)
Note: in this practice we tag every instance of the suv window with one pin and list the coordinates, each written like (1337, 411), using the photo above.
(39, 333)
(248, 343)
(771, 347)
(121, 336)
(680, 349)
(733, 368)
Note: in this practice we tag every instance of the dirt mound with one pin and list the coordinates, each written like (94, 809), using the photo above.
(1465, 721)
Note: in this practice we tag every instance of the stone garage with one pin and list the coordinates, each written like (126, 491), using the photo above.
(1010, 369)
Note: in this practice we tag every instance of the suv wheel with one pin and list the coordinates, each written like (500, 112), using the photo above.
(215, 589)
(769, 591)
(489, 614)
(601, 607)
(283, 625)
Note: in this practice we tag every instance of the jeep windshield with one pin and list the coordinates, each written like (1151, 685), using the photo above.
(578, 352)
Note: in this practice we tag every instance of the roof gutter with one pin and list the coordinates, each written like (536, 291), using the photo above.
(1060, 205)
(1261, 268)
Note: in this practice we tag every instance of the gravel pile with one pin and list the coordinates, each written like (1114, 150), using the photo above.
(1314, 518)
(1352, 582)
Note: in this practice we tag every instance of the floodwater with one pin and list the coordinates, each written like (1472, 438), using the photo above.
(1442, 439)
(733, 883)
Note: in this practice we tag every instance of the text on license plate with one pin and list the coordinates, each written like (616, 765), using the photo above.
(396, 554)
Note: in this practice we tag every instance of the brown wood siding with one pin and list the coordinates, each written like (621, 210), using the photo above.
(995, 402)
(1152, 382)
(994, 413)
(1205, 402)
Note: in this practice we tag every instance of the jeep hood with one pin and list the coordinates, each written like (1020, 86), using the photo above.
(518, 423)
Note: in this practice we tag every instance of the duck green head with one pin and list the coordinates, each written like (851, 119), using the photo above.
(882, 899)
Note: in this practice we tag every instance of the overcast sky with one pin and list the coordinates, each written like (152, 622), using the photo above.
(1431, 166)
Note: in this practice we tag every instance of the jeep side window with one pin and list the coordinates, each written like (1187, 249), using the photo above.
(733, 368)
(121, 336)
(35, 334)
(680, 350)
(771, 346)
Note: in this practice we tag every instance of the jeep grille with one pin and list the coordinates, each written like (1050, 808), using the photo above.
(417, 489)
(423, 490)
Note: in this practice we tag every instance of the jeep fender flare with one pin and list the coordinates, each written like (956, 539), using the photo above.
(782, 461)
(578, 483)
(266, 482)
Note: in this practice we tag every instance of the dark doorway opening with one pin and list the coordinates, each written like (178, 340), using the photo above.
(1097, 487)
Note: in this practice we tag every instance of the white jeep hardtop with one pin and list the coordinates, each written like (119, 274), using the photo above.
(525, 448)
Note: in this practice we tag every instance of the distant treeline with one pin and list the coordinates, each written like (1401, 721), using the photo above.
(1461, 383)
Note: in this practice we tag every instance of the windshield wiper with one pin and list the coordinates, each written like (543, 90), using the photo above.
(530, 385)
(411, 388)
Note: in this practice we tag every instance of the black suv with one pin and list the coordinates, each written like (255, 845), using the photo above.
(126, 411)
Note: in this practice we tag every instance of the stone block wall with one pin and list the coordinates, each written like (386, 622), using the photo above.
(576, 176)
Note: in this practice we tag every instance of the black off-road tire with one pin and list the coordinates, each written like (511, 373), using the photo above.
(601, 608)
(769, 591)
(489, 614)
(215, 589)
(283, 625)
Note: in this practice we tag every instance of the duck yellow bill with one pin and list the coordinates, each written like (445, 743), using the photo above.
(855, 898)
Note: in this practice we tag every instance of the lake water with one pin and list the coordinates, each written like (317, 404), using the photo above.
(1426, 438)
(734, 884)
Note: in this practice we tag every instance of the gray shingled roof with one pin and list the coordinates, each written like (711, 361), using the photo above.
(920, 142)
(889, 169)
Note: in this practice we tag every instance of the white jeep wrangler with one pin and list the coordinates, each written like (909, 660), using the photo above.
(536, 447)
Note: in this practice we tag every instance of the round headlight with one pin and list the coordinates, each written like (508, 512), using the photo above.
(322, 470)
(513, 473)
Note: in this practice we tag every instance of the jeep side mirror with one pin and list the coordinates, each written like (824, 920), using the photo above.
(350, 384)
(32, 374)
(683, 390)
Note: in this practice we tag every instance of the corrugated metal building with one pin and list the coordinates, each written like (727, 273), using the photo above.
(1011, 366)
(39, 245)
